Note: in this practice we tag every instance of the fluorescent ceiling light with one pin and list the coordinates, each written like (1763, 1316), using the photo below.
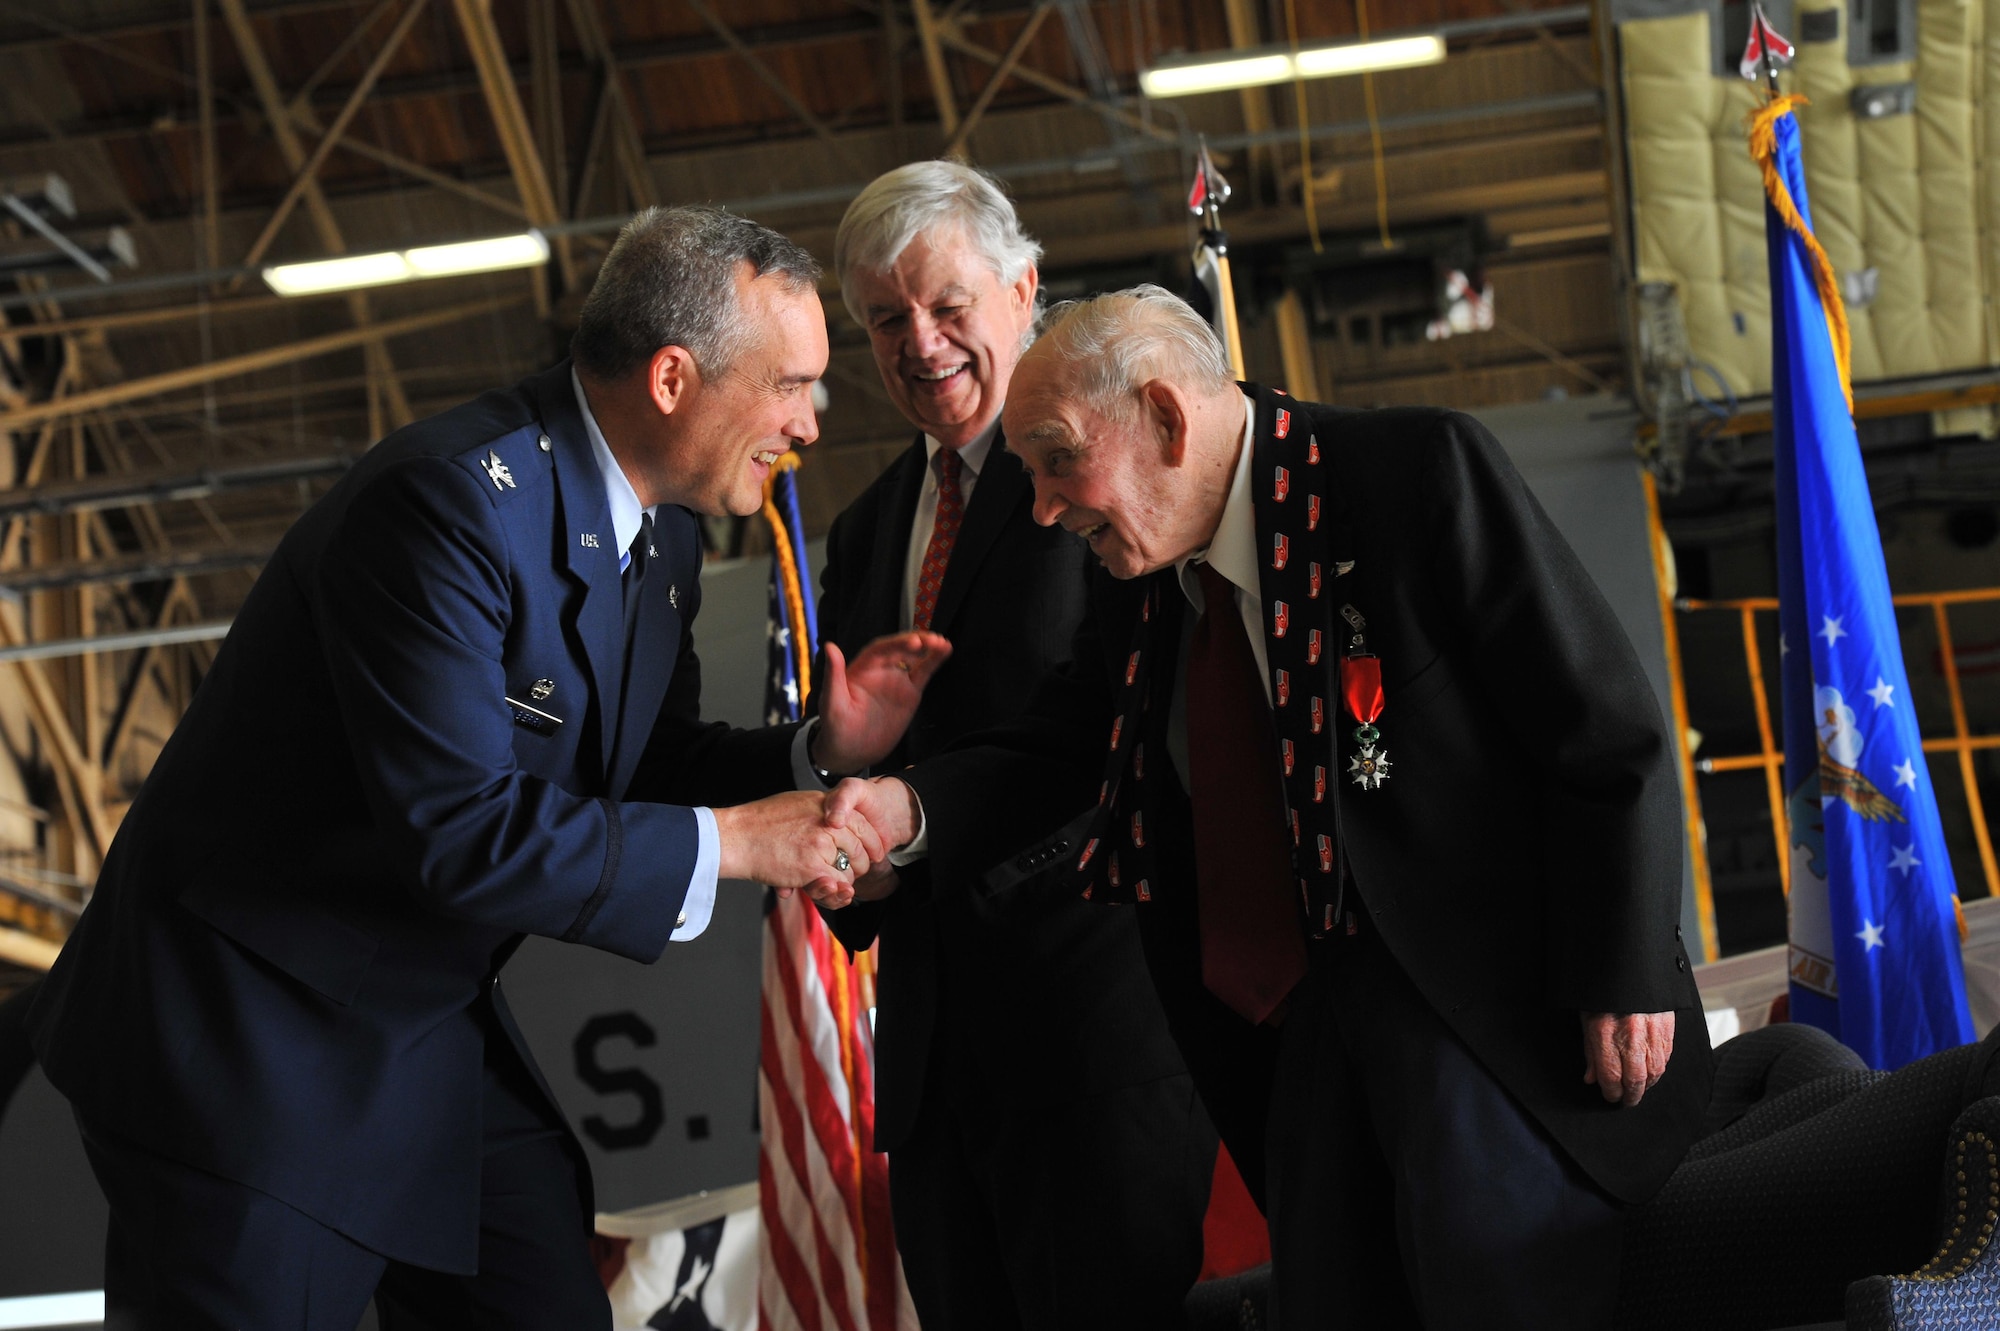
(495, 254)
(1215, 75)
(480, 256)
(342, 274)
(85, 1308)
(1256, 70)
(1395, 53)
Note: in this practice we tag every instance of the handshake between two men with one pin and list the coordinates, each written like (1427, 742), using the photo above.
(835, 846)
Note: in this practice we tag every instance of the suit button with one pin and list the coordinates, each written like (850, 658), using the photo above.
(1677, 933)
(1025, 863)
(1680, 963)
(1062, 848)
(680, 920)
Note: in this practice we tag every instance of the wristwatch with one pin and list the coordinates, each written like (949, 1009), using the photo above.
(826, 778)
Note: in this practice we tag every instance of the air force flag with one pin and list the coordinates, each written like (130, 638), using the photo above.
(1874, 937)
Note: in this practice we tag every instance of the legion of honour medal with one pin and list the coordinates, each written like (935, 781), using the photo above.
(1361, 687)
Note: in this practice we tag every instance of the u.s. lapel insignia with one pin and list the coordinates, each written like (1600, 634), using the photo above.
(590, 540)
(496, 471)
(652, 551)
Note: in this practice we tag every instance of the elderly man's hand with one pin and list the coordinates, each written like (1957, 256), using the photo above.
(785, 841)
(866, 704)
(1624, 1054)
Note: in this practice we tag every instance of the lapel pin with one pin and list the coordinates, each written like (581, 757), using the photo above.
(541, 689)
(1342, 567)
(590, 540)
(674, 596)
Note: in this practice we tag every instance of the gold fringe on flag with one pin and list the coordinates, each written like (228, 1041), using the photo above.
(788, 569)
(1764, 149)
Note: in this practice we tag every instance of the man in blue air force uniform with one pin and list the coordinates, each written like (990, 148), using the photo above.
(461, 705)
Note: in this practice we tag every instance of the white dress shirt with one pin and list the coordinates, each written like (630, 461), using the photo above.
(626, 513)
(1232, 552)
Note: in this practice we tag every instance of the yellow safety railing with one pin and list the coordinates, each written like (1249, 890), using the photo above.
(1771, 756)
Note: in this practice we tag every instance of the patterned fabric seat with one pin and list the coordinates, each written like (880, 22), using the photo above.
(1813, 1174)
(1816, 1173)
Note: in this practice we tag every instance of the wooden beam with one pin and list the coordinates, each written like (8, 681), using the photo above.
(415, 170)
(929, 38)
(765, 75)
(1028, 74)
(27, 950)
(956, 147)
(1245, 32)
(308, 173)
(282, 129)
(211, 197)
(133, 389)
(615, 117)
(128, 697)
(510, 120)
(1295, 349)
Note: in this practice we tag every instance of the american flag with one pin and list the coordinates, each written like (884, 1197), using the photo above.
(826, 1252)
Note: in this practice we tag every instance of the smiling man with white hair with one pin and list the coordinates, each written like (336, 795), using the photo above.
(1050, 1161)
(1371, 760)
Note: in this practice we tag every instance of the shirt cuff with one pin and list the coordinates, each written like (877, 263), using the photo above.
(919, 845)
(804, 775)
(699, 903)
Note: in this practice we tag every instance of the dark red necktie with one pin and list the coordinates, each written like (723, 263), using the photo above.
(950, 513)
(1253, 947)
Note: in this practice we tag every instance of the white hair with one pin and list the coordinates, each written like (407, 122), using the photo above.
(1114, 343)
(924, 198)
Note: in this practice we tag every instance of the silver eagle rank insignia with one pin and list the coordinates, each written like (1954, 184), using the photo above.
(496, 471)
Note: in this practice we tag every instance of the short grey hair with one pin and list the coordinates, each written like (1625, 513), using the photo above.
(1114, 343)
(922, 198)
(670, 281)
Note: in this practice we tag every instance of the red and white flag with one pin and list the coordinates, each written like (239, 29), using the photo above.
(827, 1252)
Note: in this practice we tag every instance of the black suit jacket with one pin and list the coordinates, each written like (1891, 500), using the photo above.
(1522, 862)
(416, 745)
(1044, 1002)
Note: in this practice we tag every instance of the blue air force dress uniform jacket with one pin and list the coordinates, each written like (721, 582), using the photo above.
(411, 751)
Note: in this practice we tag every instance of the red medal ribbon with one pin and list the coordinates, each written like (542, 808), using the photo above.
(1361, 685)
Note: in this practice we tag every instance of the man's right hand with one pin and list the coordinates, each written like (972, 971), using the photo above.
(888, 808)
(785, 841)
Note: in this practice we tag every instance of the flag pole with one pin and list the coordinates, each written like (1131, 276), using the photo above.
(1205, 200)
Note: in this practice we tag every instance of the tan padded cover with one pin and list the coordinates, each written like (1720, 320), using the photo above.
(1910, 196)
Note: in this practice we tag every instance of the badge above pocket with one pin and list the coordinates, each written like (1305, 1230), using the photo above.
(531, 716)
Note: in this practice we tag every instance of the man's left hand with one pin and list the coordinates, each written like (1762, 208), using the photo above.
(865, 705)
(1625, 1053)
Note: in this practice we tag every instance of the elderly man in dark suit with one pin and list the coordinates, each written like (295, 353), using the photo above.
(1049, 1160)
(1390, 796)
(460, 705)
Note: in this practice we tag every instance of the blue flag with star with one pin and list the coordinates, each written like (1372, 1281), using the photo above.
(793, 632)
(1874, 955)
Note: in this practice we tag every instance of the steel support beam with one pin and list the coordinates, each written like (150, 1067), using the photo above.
(131, 390)
(252, 52)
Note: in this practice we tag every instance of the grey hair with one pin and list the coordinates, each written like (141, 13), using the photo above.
(670, 281)
(919, 198)
(1114, 343)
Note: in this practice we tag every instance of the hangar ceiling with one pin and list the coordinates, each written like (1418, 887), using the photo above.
(168, 424)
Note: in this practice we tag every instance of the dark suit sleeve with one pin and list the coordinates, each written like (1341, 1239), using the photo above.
(1559, 672)
(413, 612)
(998, 790)
(689, 761)
(856, 926)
